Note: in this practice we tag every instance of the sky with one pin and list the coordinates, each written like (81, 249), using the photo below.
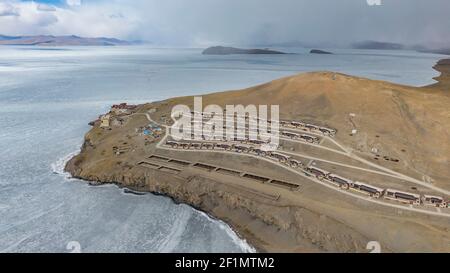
(234, 22)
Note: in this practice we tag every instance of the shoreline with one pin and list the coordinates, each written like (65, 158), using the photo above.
(179, 193)
(443, 80)
(241, 241)
(244, 239)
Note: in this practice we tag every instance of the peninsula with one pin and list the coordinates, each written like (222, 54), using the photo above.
(359, 161)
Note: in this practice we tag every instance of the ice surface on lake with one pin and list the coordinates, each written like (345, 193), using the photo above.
(47, 97)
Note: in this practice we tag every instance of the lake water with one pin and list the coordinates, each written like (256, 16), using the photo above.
(47, 97)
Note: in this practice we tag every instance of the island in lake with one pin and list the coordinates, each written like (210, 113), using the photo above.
(359, 161)
(221, 50)
(318, 51)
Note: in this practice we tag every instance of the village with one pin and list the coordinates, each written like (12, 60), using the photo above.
(322, 175)
(252, 147)
(289, 131)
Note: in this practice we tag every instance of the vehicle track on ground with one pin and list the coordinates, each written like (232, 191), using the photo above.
(349, 153)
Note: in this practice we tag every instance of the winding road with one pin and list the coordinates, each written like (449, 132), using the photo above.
(348, 152)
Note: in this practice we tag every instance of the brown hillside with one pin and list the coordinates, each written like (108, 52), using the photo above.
(407, 123)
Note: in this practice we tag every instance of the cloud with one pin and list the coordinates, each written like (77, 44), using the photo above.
(73, 2)
(253, 22)
(90, 20)
(236, 22)
(44, 7)
(7, 9)
(26, 18)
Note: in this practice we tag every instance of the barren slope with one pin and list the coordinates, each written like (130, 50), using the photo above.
(406, 123)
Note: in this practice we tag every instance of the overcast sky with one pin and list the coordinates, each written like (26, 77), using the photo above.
(239, 22)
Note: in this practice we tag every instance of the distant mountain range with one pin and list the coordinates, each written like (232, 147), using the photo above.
(369, 44)
(73, 40)
(443, 51)
(395, 46)
(49, 40)
(377, 45)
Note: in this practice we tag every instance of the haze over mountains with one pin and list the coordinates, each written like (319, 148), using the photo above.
(378, 45)
(72, 40)
(221, 50)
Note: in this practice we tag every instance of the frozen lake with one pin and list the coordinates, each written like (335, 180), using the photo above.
(47, 97)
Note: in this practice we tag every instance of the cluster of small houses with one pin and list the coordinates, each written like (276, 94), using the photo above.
(283, 123)
(309, 127)
(118, 110)
(248, 147)
(123, 108)
(238, 148)
(295, 136)
(285, 134)
(391, 194)
(322, 175)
